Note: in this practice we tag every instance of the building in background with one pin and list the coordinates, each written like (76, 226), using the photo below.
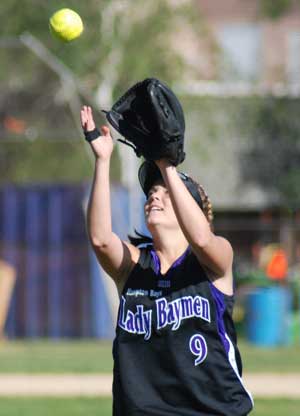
(254, 47)
(244, 53)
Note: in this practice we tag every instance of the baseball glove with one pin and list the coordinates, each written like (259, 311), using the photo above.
(150, 118)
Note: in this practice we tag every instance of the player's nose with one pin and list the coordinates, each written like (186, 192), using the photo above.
(155, 196)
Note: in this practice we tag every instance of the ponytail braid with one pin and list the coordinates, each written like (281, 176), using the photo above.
(207, 205)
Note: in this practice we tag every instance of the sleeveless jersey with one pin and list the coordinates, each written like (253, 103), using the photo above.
(175, 349)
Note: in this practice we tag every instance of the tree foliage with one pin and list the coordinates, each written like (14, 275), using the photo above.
(124, 41)
(272, 158)
(274, 9)
(131, 37)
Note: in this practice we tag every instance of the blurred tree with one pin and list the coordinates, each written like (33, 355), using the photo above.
(272, 157)
(123, 41)
(275, 9)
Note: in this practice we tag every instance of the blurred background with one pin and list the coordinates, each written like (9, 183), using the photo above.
(235, 65)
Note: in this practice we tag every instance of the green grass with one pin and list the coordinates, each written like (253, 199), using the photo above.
(56, 357)
(277, 407)
(55, 406)
(91, 356)
(279, 359)
(102, 407)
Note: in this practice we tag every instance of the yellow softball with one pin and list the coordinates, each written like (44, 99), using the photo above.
(66, 25)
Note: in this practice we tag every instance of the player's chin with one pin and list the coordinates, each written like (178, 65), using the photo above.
(151, 221)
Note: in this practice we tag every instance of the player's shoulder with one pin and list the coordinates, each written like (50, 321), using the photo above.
(134, 252)
(137, 255)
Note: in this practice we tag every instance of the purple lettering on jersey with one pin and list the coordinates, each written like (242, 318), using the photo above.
(148, 320)
(187, 306)
(205, 311)
(197, 307)
(121, 317)
(139, 321)
(135, 323)
(161, 305)
(176, 305)
(198, 347)
(172, 313)
(130, 321)
(167, 313)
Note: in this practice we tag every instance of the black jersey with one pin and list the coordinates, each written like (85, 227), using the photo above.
(175, 349)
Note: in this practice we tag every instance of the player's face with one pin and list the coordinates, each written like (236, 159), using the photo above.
(158, 207)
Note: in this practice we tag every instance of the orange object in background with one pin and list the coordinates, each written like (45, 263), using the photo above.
(277, 267)
(14, 125)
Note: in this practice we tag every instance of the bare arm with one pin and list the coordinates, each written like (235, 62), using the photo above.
(213, 251)
(115, 256)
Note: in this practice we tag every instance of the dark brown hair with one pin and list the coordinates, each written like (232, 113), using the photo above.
(207, 205)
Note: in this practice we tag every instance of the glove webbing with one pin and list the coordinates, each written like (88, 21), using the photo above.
(138, 153)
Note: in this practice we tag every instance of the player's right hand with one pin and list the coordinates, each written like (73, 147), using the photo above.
(103, 145)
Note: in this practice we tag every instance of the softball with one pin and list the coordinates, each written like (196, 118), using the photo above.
(66, 25)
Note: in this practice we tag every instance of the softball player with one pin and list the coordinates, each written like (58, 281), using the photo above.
(175, 349)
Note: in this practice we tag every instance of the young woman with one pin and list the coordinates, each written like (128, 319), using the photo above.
(175, 349)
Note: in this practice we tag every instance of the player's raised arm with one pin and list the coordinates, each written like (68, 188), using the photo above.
(115, 256)
(213, 251)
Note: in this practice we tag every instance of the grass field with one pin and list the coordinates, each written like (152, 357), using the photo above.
(55, 357)
(90, 356)
(102, 407)
(279, 360)
(95, 357)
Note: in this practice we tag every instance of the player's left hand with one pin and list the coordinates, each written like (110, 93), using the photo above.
(87, 119)
(162, 163)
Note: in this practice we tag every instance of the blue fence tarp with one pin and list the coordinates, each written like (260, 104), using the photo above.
(59, 289)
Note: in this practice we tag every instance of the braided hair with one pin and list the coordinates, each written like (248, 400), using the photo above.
(207, 205)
